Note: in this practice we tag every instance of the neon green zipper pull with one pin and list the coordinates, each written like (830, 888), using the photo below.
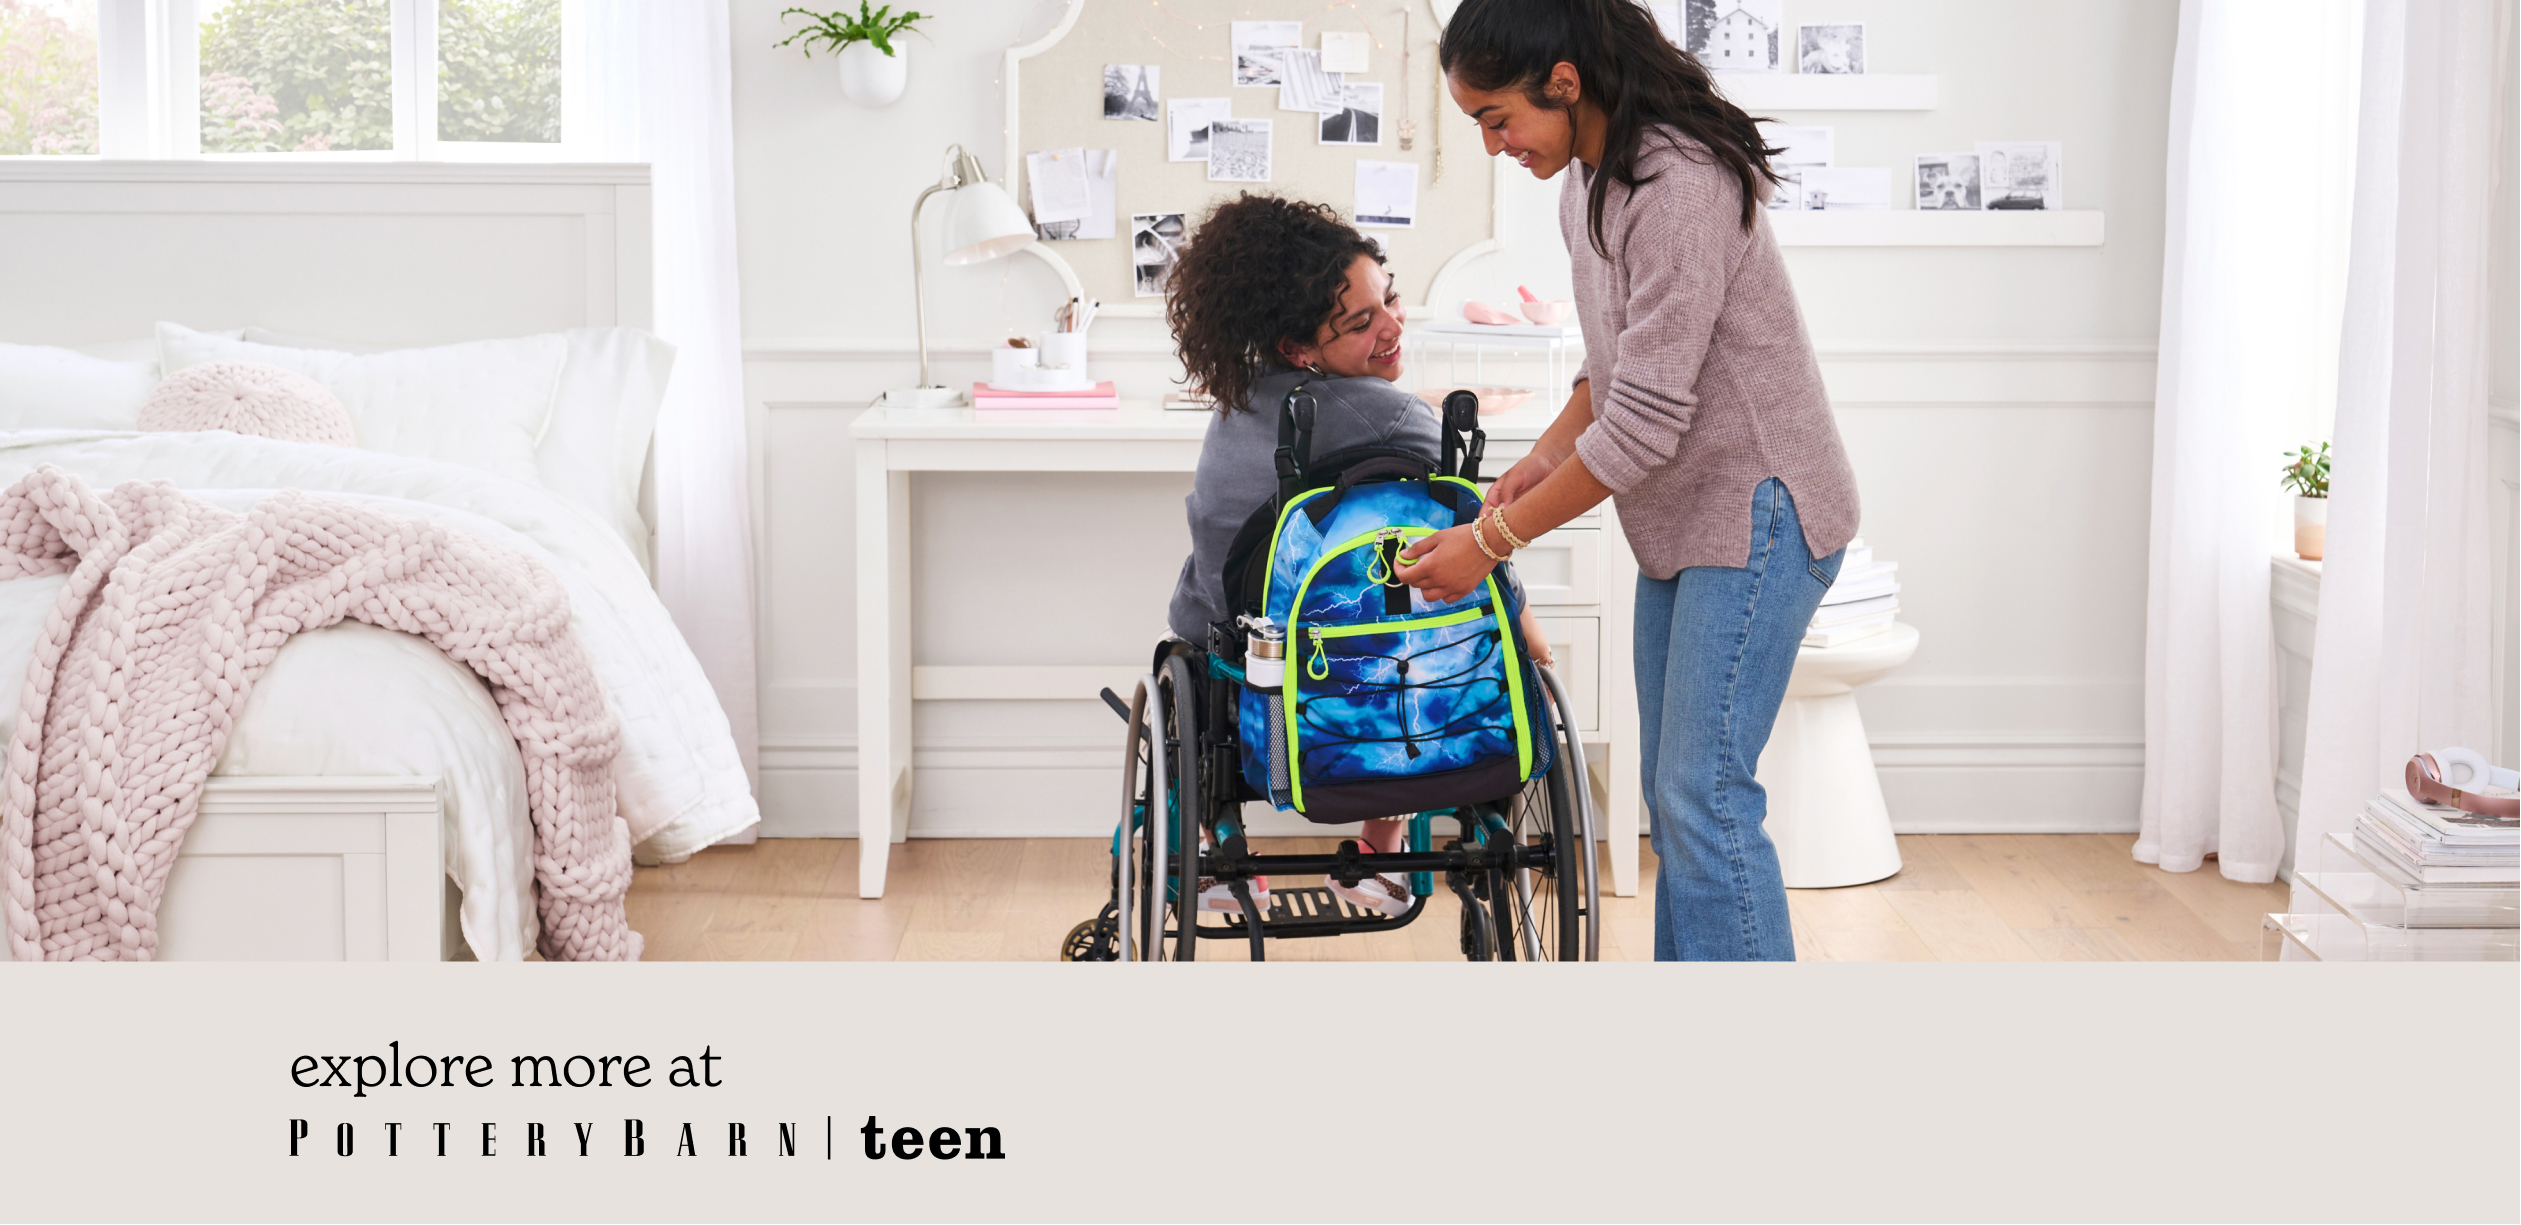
(1316, 665)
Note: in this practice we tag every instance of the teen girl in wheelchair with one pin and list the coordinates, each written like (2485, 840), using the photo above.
(1304, 672)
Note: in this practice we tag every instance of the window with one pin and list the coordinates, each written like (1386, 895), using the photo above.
(47, 77)
(362, 79)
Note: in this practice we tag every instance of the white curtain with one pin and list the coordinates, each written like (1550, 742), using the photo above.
(659, 90)
(2401, 662)
(2253, 270)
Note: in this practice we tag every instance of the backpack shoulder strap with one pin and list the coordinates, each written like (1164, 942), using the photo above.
(1295, 440)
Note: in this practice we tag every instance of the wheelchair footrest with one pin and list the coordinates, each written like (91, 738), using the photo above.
(1296, 914)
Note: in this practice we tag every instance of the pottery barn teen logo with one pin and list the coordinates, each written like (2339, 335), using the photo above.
(379, 1074)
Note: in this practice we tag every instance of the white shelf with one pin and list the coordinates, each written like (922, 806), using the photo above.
(1793, 91)
(1901, 227)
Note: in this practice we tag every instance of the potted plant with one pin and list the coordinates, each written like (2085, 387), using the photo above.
(2306, 474)
(872, 69)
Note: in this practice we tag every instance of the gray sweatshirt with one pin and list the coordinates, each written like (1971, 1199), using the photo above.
(1238, 471)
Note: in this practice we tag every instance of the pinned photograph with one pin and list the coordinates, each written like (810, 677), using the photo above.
(1186, 123)
(2022, 174)
(1303, 86)
(1836, 49)
(1130, 91)
(1802, 144)
(1827, 187)
(1359, 121)
(1345, 50)
(1058, 180)
(1238, 151)
(1734, 35)
(1260, 49)
(1155, 245)
(1948, 182)
(1387, 194)
(1102, 187)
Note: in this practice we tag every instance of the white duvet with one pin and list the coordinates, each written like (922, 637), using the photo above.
(353, 699)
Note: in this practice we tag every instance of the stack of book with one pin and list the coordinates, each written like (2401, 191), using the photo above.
(990, 403)
(1861, 603)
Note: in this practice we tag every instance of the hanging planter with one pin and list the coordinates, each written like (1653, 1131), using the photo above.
(871, 77)
(873, 68)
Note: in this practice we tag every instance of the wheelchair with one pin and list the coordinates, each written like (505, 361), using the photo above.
(1521, 865)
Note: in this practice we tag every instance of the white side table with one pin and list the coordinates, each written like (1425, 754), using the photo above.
(1825, 809)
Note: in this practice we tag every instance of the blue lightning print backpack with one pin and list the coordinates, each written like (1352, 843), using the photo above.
(1390, 704)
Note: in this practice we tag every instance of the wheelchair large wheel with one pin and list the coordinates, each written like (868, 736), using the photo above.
(1552, 913)
(1162, 806)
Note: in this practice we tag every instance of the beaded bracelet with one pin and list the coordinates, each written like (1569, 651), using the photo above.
(1499, 515)
(1482, 542)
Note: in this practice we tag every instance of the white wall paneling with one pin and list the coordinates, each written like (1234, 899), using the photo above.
(1908, 227)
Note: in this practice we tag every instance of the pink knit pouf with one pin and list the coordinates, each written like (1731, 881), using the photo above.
(248, 398)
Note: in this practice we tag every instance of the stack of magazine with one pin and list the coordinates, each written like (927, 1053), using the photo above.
(2432, 845)
(2412, 882)
(1861, 603)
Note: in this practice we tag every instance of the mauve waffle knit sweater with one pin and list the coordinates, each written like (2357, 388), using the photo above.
(1704, 380)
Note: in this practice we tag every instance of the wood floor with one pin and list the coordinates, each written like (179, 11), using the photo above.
(1961, 897)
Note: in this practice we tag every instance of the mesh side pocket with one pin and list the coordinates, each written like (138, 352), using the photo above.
(1280, 792)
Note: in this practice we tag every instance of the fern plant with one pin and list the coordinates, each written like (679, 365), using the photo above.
(2306, 471)
(838, 29)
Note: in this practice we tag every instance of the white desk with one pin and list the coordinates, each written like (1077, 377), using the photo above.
(1581, 578)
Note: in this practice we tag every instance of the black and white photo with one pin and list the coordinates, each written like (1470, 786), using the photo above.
(1303, 86)
(1359, 121)
(2022, 174)
(1387, 194)
(1238, 151)
(1186, 123)
(1799, 144)
(1833, 49)
(1948, 182)
(1102, 180)
(1130, 91)
(1828, 187)
(1734, 35)
(1260, 49)
(1155, 244)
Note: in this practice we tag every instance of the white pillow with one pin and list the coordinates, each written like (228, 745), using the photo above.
(483, 404)
(596, 447)
(144, 349)
(43, 388)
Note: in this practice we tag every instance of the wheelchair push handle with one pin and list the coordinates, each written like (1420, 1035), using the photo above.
(1461, 418)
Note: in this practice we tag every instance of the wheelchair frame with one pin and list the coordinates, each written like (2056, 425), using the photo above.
(1491, 867)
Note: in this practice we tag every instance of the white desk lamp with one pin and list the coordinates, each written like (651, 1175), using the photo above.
(981, 223)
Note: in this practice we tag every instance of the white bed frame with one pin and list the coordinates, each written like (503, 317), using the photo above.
(332, 868)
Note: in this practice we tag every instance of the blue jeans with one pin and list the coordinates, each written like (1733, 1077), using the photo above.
(1715, 645)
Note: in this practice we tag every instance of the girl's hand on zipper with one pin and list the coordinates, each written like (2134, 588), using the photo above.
(1447, 565)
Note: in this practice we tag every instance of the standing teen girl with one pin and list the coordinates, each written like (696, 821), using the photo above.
(1700, 410)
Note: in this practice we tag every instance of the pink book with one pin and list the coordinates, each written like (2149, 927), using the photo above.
(1101, 395)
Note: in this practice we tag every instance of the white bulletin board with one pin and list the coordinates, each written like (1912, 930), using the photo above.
(1054, 92)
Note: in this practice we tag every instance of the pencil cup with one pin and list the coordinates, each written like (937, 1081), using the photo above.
(1063, 357)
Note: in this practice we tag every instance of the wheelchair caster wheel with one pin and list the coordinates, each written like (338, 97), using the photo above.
(1093, 940)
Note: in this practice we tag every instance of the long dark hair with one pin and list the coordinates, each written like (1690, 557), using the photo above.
(1257, 271)
(1625, 65)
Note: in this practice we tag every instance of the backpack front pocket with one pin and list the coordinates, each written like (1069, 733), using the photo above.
(1393, 699)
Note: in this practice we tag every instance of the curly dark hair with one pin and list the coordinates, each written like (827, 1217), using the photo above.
(1258, 270)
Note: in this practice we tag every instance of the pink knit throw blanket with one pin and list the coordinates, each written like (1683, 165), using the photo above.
(174, 606)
